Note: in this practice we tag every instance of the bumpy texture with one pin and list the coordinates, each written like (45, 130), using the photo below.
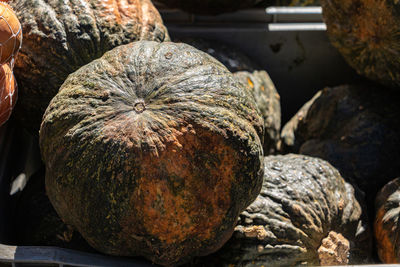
(61, 36)
(386, 226)
(209, 7)
(257, 82)
(38, 224)
(268, 101)
(152, 150)
(303, 201)
(353, 127)
(367, 34)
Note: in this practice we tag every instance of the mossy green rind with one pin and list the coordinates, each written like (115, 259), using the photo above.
(255, 80)
(367, 34)
(303, 201)
(153, 150)
(268, 101)
(61, 36)
(209, 7)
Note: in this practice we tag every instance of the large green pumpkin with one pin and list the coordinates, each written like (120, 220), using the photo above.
(367, 34)
(61, 36)
(154, 149)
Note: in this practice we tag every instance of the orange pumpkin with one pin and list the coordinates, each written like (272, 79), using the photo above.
(10, 33)
(8, 92)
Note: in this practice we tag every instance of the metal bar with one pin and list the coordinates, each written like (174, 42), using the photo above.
(60, 256)
(316, 10)
(297, 27)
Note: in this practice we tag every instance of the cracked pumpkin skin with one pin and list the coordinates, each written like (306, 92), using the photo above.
(366, 33)
(153, 150)
(61, 36)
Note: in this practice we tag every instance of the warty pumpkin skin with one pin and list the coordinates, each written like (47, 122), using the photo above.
(305, 214)
(386, 226)
(61, 36)
(366, 33)
(152, 150)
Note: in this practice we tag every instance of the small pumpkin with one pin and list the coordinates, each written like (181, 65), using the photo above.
(10, 33)
(386, 226)
(8, 93)
(353, 127)
(366, 33)
(38, 224)
(61, 36)
(255, 80)
(209, 7)
(154, 149)
(305, 214)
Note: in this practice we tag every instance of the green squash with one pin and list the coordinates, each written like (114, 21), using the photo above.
(154, 149)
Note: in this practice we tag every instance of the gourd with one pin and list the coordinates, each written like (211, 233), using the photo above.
(209, 7)
(366, 33)
(386, 227)
(8, 92)
(305, 214)
(61, 36)
(38, 224)
(154, 149)
(257, 81)
(353, 127)
(10, 42)
(10, 33)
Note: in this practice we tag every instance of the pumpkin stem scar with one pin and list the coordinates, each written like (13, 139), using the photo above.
(139, 106)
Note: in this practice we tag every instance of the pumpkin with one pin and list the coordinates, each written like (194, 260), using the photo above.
(152, 150)
(8, 92)
(10, 33)
(209, 7)
(366, 34)
(268, 101)
(38, 224)
(256, 81)
(353, 127)
(305, 214)
(386, 226)
(61, 36)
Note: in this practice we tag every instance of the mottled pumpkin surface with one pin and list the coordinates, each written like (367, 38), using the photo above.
(367, 34)
(268, 101)
(353, 127)
(304, 212)
(38, 224)
(153, 150)
(61, 36)
(386, 226)
(255, 80)
(209, 7)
